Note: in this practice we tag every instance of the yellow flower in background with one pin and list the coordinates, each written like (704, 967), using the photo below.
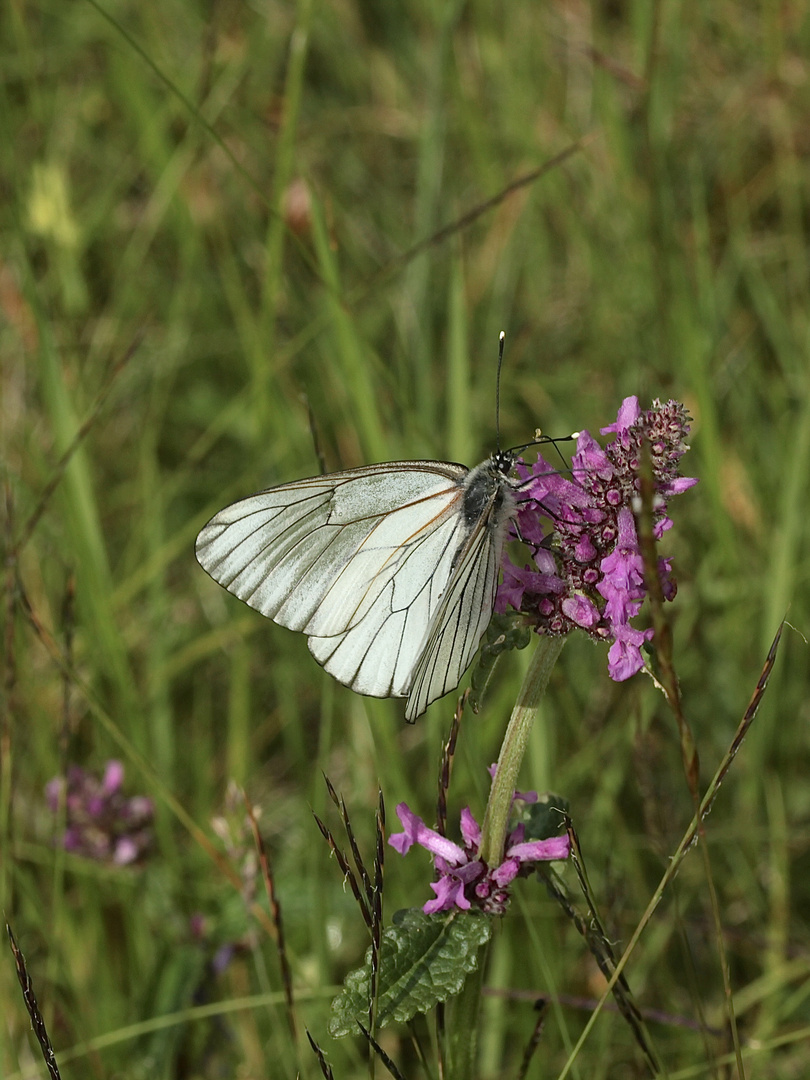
(49, 213)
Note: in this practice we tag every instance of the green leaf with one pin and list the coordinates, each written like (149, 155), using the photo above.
(424, 959)
(543, 819)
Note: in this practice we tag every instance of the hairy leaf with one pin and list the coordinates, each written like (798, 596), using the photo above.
(424, 959)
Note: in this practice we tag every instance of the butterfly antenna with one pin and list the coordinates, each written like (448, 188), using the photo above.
(544, 440)
(501, 340)
(563, 438)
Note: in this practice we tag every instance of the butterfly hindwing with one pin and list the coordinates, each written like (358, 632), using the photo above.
(376, 655)
(463, 615)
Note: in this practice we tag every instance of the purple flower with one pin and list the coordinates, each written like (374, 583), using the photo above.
(592, 577)
(100, 821)
(464, 879)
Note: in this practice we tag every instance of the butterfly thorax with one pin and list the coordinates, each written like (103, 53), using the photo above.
(489, 486)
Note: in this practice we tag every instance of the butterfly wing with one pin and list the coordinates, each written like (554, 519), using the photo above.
(376, 654)
(466, 606)
(357, 560)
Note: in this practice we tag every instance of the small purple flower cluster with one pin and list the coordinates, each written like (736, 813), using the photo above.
(588, 571)
(466, 881)
(101, 822)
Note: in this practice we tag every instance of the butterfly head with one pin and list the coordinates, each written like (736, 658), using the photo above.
(502, 462)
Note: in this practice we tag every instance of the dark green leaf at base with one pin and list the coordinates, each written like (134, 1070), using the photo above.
(424, 959)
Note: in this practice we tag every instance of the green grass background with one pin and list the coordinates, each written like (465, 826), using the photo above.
(149, 154)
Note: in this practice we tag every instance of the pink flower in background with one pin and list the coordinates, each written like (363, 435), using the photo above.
(100, 821)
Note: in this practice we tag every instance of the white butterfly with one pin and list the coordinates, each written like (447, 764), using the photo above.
(390, 570)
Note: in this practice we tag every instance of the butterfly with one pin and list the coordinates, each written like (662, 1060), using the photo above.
(390, 570)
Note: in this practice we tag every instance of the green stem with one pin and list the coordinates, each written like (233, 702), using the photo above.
(464, 1012)
(499, 807)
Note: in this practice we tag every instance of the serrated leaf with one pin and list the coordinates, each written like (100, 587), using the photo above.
(424, 959)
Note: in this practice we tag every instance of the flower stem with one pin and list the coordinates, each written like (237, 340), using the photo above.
(496, 819)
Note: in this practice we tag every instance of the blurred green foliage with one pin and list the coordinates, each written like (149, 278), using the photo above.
(203, 216)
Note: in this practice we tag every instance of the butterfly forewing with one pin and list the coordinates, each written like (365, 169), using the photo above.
(357, 560)
(259, 546)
